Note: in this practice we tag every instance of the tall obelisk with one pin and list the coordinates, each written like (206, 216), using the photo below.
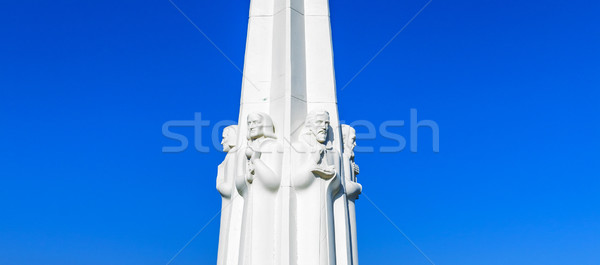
(289, 73)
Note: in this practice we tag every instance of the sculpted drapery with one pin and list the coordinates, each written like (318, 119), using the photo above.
(315, 182)
(295, 185)
(231, 202)
(352, 187)
(258, 183)
(322, 177)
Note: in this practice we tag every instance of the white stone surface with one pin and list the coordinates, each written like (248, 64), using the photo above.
(352, 188)
(292, 201)
(258, 182)
(232, 203)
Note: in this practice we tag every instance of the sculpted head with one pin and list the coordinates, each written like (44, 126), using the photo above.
(229, 137)
(318, 123)
(349, 135)
(260, 125)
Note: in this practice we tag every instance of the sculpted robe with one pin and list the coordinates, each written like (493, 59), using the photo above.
(313, 202)
(258, 184)
(231, 210)
(353, 189)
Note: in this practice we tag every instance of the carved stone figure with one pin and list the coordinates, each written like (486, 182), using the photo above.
(353, 188)
(316, 181)
(292, 189)
(258, 183)
(224, 183)
(231, 211)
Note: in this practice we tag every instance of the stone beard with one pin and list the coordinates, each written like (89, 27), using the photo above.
(258, 183)
(316, 182)
(322, 210)
(295, 192)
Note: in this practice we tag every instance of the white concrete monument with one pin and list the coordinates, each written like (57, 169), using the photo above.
(289, 181)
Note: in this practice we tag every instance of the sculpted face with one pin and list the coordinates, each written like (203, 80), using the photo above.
(351, 140)
(228, 139)
(319, 126)
(255, 126)
(349, 135)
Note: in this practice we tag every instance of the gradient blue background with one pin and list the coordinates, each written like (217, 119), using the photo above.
(85, 87)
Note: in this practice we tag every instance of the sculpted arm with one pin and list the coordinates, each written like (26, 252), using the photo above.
(241, 174)
(353, 188)
(321, 169)
(304, 158)
(223, 186)
(267, 166)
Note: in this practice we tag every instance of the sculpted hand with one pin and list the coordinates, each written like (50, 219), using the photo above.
(250, 177)
(353, 189)
(249, 152)
(252, 155)
(324, 173)
(318, 154)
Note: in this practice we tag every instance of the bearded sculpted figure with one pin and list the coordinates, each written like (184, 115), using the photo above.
(316, 181)
(225, 184)
(231, 211)
(353, 188)
(258, 183)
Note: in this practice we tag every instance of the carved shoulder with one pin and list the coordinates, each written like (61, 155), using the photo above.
(270, 145)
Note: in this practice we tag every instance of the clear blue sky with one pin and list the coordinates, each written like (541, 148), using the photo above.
(85, 87)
